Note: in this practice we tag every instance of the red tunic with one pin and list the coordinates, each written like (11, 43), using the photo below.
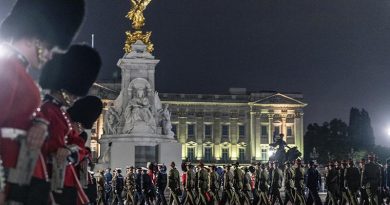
(19, 99)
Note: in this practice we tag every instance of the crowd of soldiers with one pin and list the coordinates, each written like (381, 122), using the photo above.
(260, 183)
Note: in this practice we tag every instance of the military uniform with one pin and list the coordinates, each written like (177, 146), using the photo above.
(100, 188)
(299, 184)
(276, 184)
(263, 186)
(352, 183)
(289, 184)
(189, 186)
(214, 185)
(313, 182)
(203, 182)
(130, 187)
(174, 185)
(246, 187)
(161, 183)
(227, 193)
(371, 181)
(332, 183)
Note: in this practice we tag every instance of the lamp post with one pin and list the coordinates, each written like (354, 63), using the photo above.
(314, 155)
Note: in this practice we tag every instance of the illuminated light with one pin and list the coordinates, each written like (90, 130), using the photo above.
(3, 51)
(388, 131)
(271, 152)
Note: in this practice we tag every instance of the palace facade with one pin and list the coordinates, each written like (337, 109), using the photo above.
(238, 126)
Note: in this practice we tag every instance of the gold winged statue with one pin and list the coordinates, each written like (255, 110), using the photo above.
(137, 19)
(136, 13)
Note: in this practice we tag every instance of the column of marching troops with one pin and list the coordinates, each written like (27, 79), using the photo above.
(256, 184)
(44, 110)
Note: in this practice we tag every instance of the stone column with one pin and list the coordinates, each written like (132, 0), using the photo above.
(257, 136)
(284, 127)
(270, 128)
(252, 133)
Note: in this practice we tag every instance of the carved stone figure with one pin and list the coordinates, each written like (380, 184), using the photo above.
(136, 13)
(112, 121)
(166, 121)
(138, 112)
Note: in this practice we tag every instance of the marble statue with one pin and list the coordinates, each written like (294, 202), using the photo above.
(139, 110)
(112, 121)
(166, 121)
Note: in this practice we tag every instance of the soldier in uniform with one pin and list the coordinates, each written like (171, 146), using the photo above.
(276, 183)
(100, 187)
(246, 187)
(31, 34)
(227, 193)
(332, 183)
(256, 183)
(299, 185)
(147, 187)
(363, 194)
(161, 184)
(313, 183)
(214, 185)
(343, 190)
(117, 187)
(107, 185)
(130, 186)
(189, 185)
(352, 182)
(371, 180)
(238, 177)
(139, 197)
(289, 183)
(203, 182)
(263, 186)
(174, 185)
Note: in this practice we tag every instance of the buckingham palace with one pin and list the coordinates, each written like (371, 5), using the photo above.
(222, 128)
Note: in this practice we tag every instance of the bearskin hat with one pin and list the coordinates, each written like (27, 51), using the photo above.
(75, 71)
(183, 166)
(86, 111)
(55, 22)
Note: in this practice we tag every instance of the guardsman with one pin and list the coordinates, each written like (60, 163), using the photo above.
(363, 194)
(256, 183)
(352, 182)
(31, 34)
(371, 180)
(203, 182)
(100, 187)
(289, 183)
(189, 185)
(382, 179)
(263, 186)
(147, 187)
(214, 185)
(130, 186)
(139, 197)
(107, 185)
(332, 183)
(227, 193)
(313, 183)
(276, 183)
(161, 184)
(117, 187)
(299, 185)
(67, 77)
(174, 184)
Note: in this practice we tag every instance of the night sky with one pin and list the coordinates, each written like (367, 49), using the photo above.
(336, 52)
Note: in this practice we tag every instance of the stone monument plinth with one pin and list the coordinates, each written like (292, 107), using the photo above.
(137, 128)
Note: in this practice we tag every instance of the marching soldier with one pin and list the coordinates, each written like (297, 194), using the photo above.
(313, 183)
(130, 186)
(100, 187)
(227, 194)
(363, 194)
(117, 187)
(31, 34)
(343, 190)
(351, 182)
(276, 183)
(189, 185)
(174, 184)
(203, 182)
(371, 180)
(161, 184)
(332, 183)
(238, 177)
(256, 183)
(246, 187)
(289, 183)
(263, 186)
(299, 183)
(139, 197)
(147, 187)
(214, 185)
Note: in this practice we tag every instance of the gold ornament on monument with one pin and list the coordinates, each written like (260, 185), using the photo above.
(137, 19)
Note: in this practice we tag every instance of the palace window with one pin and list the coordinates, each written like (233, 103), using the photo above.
(190, 130)
(208, 131)
(263, 154)
(264, 131)
(191, 153)
(289, 131)
(241, 131)
(225, 131)
(276, 130)
(174, 130)
(241, 154)
(207, 154)
(225, 154)
(290, 136)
